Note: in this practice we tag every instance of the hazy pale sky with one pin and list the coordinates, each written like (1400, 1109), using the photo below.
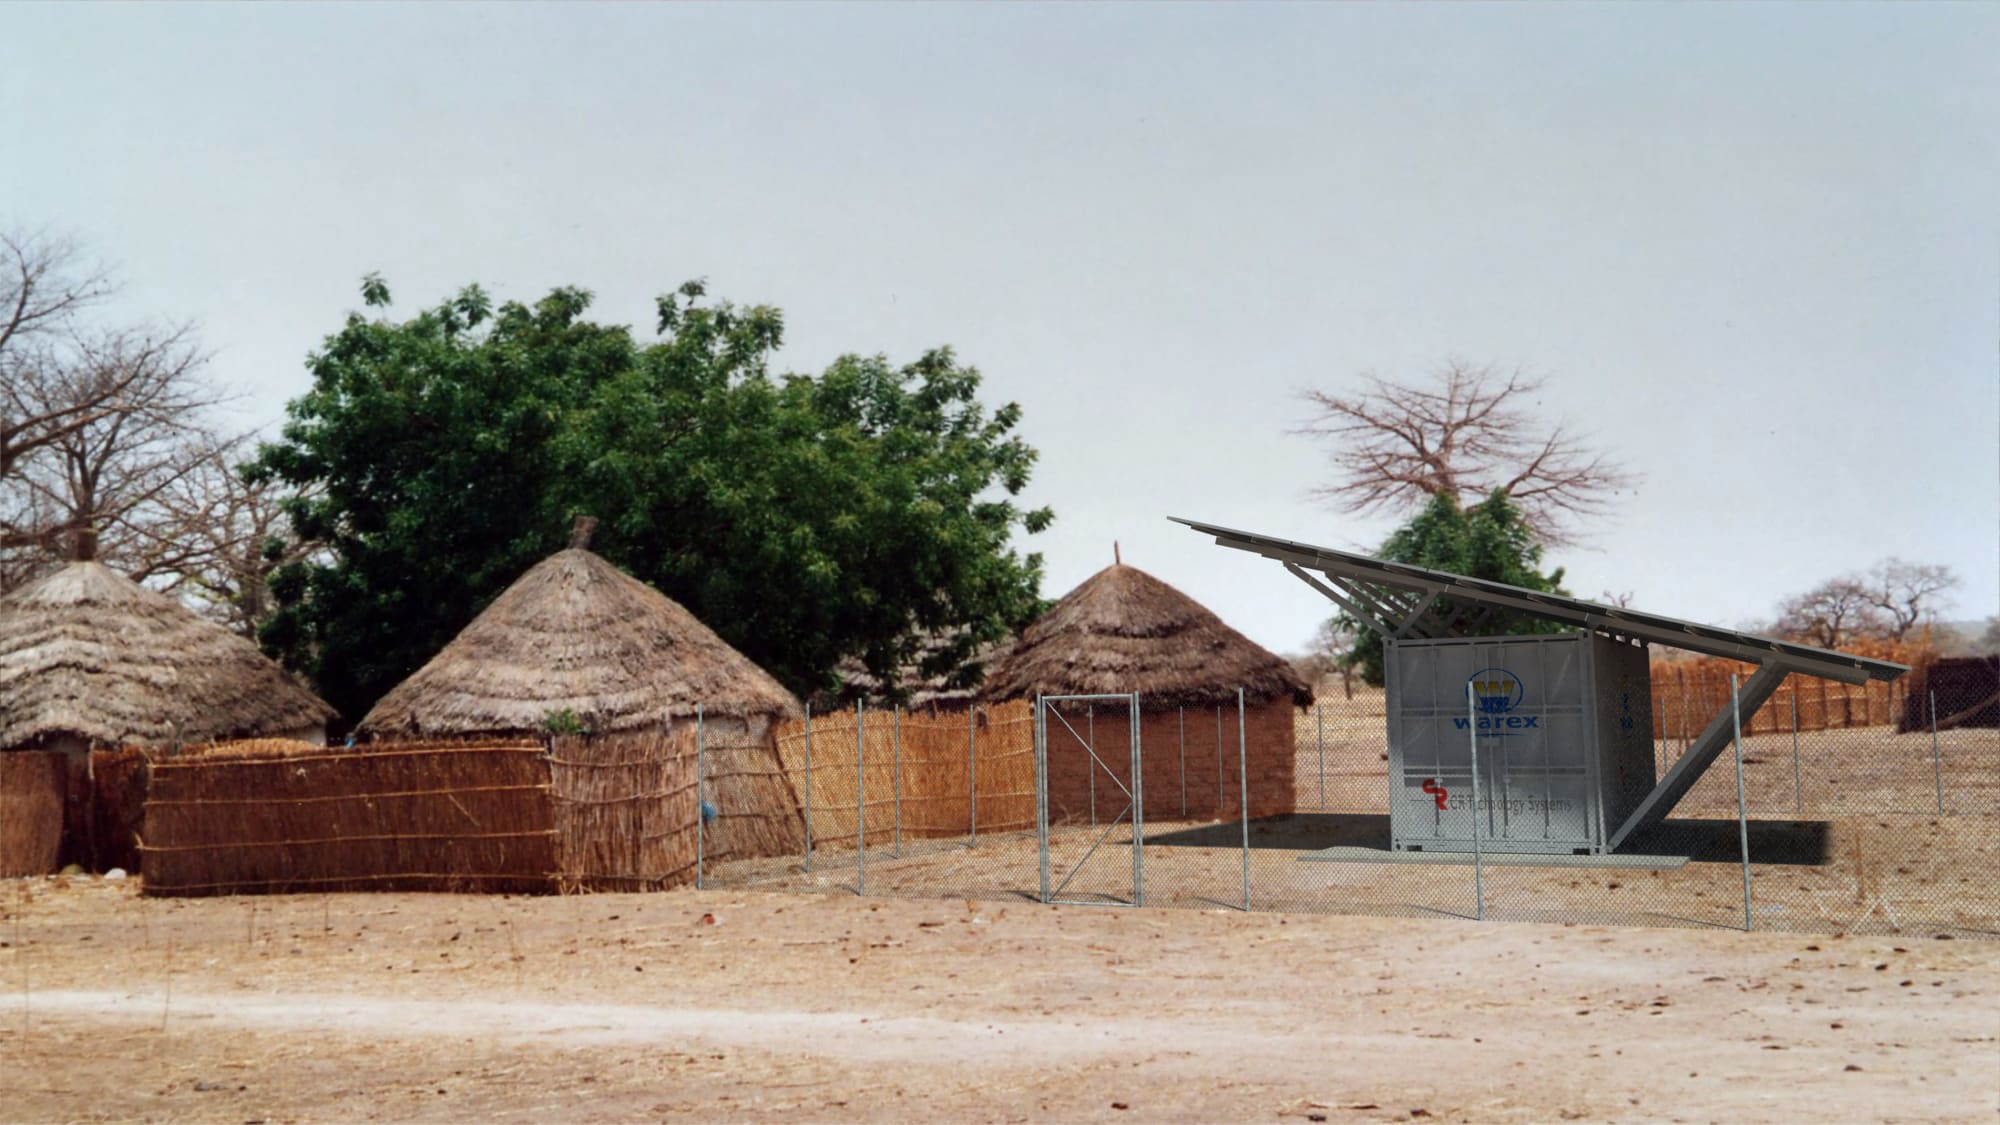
(1754, 249)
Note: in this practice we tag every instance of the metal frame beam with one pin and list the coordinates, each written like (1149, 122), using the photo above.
(1350, 570)
(1337, 599)
(1701, 755)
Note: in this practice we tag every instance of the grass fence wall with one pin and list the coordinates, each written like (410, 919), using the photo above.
(948, 766)
(1687, 694)
(459, 816)
(611, 812)
(31, 811)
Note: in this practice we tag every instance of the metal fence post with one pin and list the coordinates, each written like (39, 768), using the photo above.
(700, 805)
(1243, 794)
(896, 775)
(1041, 733)
(1218, 761)
(1478, 855)
(1798, 788)
(1937, 762)
(972, 773)
(1138, 806)
(860, 804)
(1319, 714)
(1742, 815)
(1183, 739)
(809, 787)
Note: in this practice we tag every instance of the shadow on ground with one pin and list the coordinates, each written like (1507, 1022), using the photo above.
(1794, 842)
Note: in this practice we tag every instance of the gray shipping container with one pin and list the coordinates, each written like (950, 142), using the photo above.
(1565, 733)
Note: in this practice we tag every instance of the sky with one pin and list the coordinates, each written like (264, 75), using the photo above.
(1754, 250)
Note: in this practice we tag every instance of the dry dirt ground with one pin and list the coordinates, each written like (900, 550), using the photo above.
(746, 1006)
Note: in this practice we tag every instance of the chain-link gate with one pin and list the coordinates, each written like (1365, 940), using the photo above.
(1088, 783)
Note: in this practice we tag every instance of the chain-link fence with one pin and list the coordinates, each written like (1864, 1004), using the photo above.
(1866, 821)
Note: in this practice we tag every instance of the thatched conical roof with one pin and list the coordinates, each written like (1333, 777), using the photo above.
(86, 651)
(1124, 630)
(576, 633)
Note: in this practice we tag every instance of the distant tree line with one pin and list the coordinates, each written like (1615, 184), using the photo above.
(1893, 601)
(864, 511)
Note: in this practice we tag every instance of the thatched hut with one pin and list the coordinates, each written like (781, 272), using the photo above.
(1123, 631)
(576, 643)
(90, 659)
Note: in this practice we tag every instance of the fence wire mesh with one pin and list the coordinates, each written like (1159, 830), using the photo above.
(1860, 815)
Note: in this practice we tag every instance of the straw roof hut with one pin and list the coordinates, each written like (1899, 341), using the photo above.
(88, 656)
(577, 634)
(1124, 630)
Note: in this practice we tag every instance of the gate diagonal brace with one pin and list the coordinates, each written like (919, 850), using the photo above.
(1092, 751)
(1701, 755)
(1077, 869)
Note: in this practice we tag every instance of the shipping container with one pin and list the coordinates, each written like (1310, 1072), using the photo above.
(1565, 744)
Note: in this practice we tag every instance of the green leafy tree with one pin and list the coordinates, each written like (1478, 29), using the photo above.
(1489, 540)
(804, 518)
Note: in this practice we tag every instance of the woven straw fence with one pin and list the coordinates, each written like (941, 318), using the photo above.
(624, 811)
(265, 818)
(31, 811)
(1687, 694)
(927, 773)
(626, 806)
(610, 812)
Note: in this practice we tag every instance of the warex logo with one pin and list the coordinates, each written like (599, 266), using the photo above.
(1496, 693)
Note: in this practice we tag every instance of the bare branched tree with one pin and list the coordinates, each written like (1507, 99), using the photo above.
(150, 432)
(1909, 594)
(108, 446)
(44, 284)
(1331, 644)
(214, 539)
(1463, 434)
(103, 473)
(1831, 614)
(1892, 601)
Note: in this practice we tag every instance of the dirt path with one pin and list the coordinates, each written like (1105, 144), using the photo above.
(699, 1006)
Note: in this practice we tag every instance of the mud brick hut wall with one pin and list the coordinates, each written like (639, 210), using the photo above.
(1267, 758)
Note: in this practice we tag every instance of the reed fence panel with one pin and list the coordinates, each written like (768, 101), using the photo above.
(624, 810)
(450, 816)
(1688, 694)
(916, 771)
(32, 783)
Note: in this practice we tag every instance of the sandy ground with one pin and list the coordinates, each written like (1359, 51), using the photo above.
(748, 1006)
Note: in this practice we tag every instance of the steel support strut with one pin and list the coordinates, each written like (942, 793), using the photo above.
(1714, 739)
